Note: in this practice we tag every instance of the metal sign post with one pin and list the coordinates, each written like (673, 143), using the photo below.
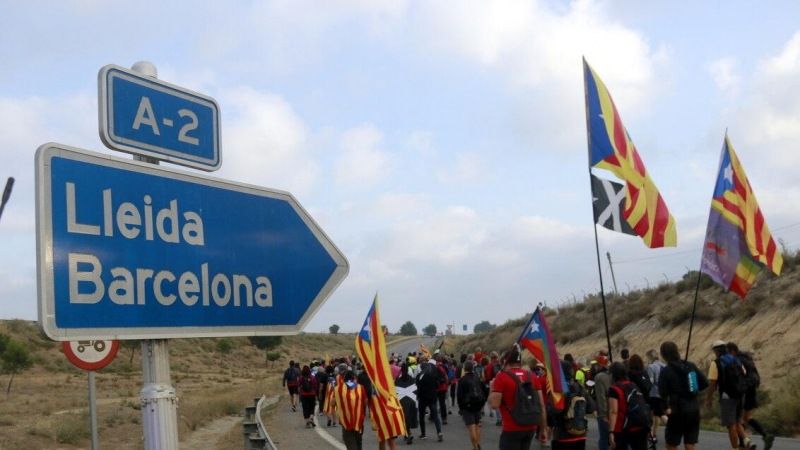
(91, 356)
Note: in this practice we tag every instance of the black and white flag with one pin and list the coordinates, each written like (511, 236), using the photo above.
(608, 201)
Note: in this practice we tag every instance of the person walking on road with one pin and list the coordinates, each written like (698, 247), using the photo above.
(426, 395)
(515, 436)
(406, 388)
(290, 381)
(602, 382)
(726, 375)
(351, 400)
(471, 395)
(679, 384)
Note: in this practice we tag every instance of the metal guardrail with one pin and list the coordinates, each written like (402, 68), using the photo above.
(255, 435)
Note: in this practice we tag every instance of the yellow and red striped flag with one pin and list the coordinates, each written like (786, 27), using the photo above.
(387, 414)
(611, 148)
(424, 349)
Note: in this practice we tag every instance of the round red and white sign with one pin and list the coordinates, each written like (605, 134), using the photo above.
(90, 355)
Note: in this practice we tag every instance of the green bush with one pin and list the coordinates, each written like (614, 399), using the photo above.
(780, 415)
(224, 346)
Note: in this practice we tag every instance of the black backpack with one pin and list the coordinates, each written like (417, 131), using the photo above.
(643, 382)
(752, 378)
(527, 407)
(733, 378)
(306, 385)
(475, 397)
(638, 413)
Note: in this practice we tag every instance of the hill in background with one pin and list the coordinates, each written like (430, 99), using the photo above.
(766, 323)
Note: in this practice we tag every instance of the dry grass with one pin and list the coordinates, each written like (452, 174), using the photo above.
(48, 404)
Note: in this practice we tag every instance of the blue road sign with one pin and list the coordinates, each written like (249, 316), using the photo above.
(146, 116)
(128, 250)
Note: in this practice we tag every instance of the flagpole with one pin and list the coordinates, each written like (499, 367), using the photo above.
(594, 225)
(694, 309)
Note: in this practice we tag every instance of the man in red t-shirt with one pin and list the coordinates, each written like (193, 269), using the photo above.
(515, 436)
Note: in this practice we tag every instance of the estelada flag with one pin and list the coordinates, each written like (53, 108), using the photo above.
(537, 339)
(611, 148)
(387, 414)
(738, 242)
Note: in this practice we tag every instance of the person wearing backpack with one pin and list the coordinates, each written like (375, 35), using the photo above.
(290, 381)
(638, 375)
(570, 424)
(493, 368)
(753, 380)
(679, 386)
(726, 375)
(443, 381)
(517, 392)
(471, 395)
(629, 416)
(307, 385)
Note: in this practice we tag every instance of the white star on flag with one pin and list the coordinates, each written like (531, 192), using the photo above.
(534, 328)
(729, 174)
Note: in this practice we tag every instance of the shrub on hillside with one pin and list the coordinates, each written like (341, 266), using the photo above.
(780, 415)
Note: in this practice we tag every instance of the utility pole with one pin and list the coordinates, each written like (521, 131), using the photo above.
(614, 280)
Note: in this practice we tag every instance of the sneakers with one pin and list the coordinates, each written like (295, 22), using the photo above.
(313, 423)
(422, 436)
(769, 438)
(294, 408)
(439, 438)
(652, 442)
(329, 422)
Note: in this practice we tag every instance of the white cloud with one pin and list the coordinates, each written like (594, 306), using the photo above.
(361, 162)
(468, 168)
(265, 142)
(725, 74)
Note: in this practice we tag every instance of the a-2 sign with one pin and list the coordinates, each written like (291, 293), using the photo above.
(90, 354)
(146, 116)
(138, 251)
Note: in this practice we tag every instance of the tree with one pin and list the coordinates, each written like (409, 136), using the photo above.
(430, 330)
(266, 343)
(408, 329)
(15, 358)
(132, 345)
(334, 329)
(483, 327)
(273, 356)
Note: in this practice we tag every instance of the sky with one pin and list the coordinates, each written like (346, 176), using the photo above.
(440, 145)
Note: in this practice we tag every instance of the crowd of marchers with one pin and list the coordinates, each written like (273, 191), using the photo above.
(630, 399)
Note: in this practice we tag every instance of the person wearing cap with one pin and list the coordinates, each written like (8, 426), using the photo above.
(730, 404)
(602, 382)
(426, 396)
(503, 393)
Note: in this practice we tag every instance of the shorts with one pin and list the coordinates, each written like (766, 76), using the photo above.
(750, 400)
(292, 390)
(683, 426)
(471, 417)
(730, 411)
(515, 440)
(656, 405)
